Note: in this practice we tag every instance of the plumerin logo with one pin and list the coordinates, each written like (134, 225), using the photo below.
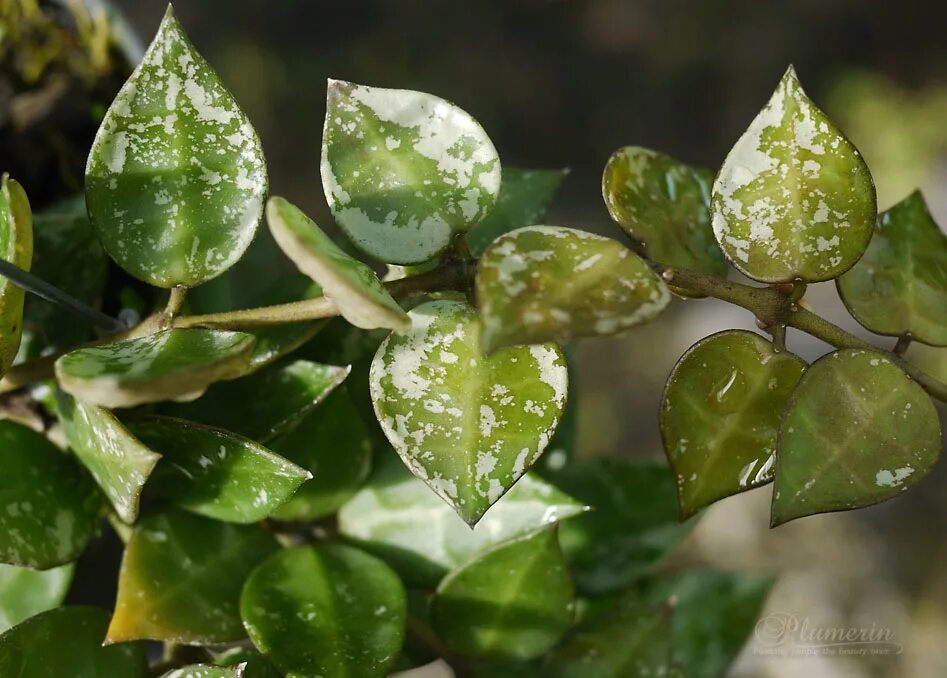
(786, 635)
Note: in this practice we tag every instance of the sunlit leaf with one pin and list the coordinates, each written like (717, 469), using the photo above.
(16, 247)
(25, 592)
(404, 171)
(327, 610)
(176, 177)
(720, 415)
(181, 578)
(466, 424)
(794, 199)
(857, 431)
(547, 283)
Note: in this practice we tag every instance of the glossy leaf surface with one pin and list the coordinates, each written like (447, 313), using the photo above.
(16, 247)
(201, 671)
(25, 592)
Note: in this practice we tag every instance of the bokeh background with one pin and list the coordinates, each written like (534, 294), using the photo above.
(563, 83)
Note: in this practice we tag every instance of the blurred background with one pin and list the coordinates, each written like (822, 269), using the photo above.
(564, 83)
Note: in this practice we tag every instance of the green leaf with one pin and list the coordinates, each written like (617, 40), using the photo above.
(547, 283)
(665, 205)
(201, 671)
(513, 602)
(466, 424)
(328, 610)
(181, 578)
(16, 247)
(25, 592)
(396, 517)
(166, 365)
(216, 473)
(176, 177)
(794, 199)
(404, 171)
(266, 403)
(67, 641)
(334, 444)
(720, 415)
(119, 462)
(351, 285)
(857, 431)
(524, 196)
(899, 286)
(50, 507)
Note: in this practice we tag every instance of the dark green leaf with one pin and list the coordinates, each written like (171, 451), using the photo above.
(25, 592)
(16, 247)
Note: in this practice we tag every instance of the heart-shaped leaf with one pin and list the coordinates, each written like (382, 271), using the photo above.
(25, 592)
(857, 431)
(16, 247)
(467, 424)
(514, 602)
(794, 199)
(665, 205)
(181, 578)
(216, 473)
(404, 171)
(176, 177)
(166, 365)
(51, 507)
(352, 286)
(547, 283)
(67, 641)
(327, 610)
(119, 462)
(720, 415)
(899, 286)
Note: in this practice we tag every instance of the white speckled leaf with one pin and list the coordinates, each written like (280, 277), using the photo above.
(176, 177)
(794, 199)
(404, 171)
(548, 283)
(467, 424)
(352, 286)
(16, 247)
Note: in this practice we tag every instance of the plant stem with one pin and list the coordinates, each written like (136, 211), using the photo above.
(175, 303)
(904, 343)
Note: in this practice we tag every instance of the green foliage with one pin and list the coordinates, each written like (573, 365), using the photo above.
(16, 247)
(25, 592)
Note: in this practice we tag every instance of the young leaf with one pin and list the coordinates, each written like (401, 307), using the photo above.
(176, 177)
(720, 415)
(665, 205)
(404, 171)
(216, 473)
(899, 286)
(547, 283)
(166, 365)
(327, 610)
(466, 424)
(16, 247)
(794, 199)
(25, 592)
(353, 286)
(181, 577)
(118, 461)
(67, 641)
(50, 508)
(513, 602)
(857, 431)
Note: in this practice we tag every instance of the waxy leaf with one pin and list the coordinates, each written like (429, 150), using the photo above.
(67, 641)
(466, 424)
(665, 205)
(794, 199)
(899, 286)
(181, 578)
(16, 247)
(720, 415)
(513, 602)
(176, 177)
(327, 610)
(396, 517)
(25, 592)
(352, 286)
(201, 671)
(404, 171)
(50, 508)
(166, 365)
(547, 283)
(857, 431)
(119, 462)
(216, 473)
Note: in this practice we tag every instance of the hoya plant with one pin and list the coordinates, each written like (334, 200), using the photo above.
(322, 468)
